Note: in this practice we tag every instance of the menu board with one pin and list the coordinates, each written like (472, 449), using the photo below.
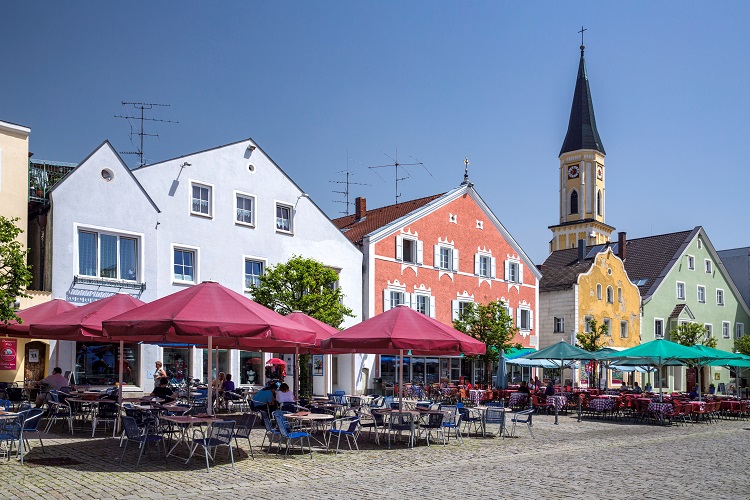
(8, 350)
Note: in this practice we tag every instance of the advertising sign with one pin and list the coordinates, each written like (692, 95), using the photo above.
(8, 350)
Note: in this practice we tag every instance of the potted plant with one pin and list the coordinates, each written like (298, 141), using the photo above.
(711, 388)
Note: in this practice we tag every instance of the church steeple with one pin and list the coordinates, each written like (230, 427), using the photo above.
(582, 132)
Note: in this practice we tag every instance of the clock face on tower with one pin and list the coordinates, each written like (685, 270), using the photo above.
(599, 173)
(572, 171)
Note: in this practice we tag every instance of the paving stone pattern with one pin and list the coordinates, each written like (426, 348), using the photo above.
(592, 459)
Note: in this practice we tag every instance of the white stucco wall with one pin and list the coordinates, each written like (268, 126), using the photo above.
(86, 200)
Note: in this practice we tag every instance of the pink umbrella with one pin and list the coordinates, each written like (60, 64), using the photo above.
(322, 332)
(209, 314)
(403, 329)
(35, 314)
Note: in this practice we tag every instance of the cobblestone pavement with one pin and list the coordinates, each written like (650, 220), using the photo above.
(592, 459)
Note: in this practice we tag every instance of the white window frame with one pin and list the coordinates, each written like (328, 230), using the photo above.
(388, 299)
(700, 289)
(586, 326)
(430, 309)
(281, 204)
(252, 258)
(558, 325)
(491, 265)
(457, 305)
(98, 231)
(624, 329)
(660, 322)
(196, 263)
(509, 264)
(709, 266)
(739, 330)
(210, 188)
(619, 294)
(452, 265)
(684, 295)
(709, 330)
(726, 327)
(608, 322)
(719, 296)
(598, 291)
(519, 318)
(253, 211)
(418, 249)
(610, 295)
(691, 262)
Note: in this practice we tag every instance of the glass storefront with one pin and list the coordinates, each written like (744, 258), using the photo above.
(97, 364)
(176, 363)
(222, 366)
(421, 370)
(251, 366)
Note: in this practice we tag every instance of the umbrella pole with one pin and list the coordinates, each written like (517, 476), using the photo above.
(210, 367)
(119, 392)
(400, 379)
(700, 387)
(296, 371)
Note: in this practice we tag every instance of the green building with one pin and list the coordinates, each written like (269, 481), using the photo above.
(682, 279)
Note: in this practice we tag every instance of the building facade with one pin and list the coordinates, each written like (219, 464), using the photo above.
(437, 254)
(223, 215)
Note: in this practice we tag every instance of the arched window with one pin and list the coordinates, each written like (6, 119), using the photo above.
(599, 202)
(574, 202)
(610, 295)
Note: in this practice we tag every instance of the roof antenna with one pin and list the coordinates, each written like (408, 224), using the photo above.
(347, 182)
(397, 165)
(141, 132)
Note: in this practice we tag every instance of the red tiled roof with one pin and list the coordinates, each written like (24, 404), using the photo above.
(355, 230)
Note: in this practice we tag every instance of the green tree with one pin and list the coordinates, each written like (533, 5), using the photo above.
(593, 340)
(742, 345)
(308, 286)
(491, 324)
(690, 334)
(15, 274)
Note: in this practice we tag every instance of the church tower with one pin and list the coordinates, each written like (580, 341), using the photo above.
(582, 175)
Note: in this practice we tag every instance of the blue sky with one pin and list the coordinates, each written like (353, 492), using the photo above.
(317, 83)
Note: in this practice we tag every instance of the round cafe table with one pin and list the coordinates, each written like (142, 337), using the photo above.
(314, 421)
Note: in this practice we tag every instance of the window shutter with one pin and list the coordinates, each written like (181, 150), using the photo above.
(410, 300)
(399, 247)
(493, 267)
(436, 262)
(420, 252)
(455, 260)
(531, 320)
(520, 272)
(432, 307)
(507, 270)
(476, 263)
(518, 317)
(509, 310)
(386, 300)
(454, 307)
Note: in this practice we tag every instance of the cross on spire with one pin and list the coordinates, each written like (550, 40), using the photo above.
(466, 169)
(581, 32)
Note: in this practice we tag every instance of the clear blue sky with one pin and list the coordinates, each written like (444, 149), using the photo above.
(315, 83)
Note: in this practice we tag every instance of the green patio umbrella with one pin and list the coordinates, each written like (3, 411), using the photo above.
(562, 352)
(709, 354)
(658, 352)
(739, 361)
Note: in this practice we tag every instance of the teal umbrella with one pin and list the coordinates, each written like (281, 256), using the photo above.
(739, 361)
(709, 354)
(562, 352)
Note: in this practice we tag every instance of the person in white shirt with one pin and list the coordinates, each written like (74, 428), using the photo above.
(54, 382)
(285, 395)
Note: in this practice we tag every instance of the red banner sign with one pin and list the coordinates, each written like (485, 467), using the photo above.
(8, 351)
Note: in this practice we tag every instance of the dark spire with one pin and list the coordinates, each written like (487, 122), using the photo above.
(582, 133)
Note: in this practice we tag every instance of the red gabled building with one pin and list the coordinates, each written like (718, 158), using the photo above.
(436, 254)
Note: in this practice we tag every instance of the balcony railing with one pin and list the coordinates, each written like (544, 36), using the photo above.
(43, 175)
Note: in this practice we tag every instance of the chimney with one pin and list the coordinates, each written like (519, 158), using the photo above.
(360, 208)
(622, 240)
(581, 250)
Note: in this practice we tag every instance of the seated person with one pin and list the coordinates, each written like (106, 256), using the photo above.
(648, 387)
(54, 382)
(693, 394)
(550, 389)
(228, 385)
(285, 397)
(524, 388)
(624, 387)
(265, 399)
(164, 392)
(637, 388)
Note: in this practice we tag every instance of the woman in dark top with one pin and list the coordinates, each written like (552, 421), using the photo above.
(163, 391)
(550, 389)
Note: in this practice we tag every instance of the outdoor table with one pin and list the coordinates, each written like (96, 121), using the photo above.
(518, 398)
(602, 404)
(660, 409)
(482, 410)
(186, 423)
(315, 421)
(558, 403)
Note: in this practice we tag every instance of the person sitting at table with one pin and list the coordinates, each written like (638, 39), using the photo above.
(54, 382)
(265, 399)
(285, 397)
(623, 387)
(537, 383)
(693, 394)
(550, 389)
(648, 387)
(524, 388)
(637, 388)
(163, 391)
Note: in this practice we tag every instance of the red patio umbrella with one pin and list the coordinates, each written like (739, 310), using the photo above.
(403, 329)
(35, 314)
(322, 332)
(276, 361)
(209, 314)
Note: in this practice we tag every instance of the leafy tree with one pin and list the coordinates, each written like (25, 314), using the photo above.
(742, 345)
(690, 334)
(491, 324)
(15, 274)
(593, 340)
(304, 285)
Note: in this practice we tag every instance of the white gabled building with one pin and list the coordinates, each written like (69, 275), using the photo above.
(223, 214)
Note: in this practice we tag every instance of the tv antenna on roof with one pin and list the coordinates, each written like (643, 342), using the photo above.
(398, 165)
(141, 132)
(347, 182)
